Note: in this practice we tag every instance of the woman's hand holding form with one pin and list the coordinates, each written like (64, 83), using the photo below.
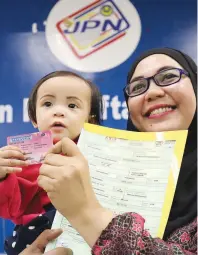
(65, 176)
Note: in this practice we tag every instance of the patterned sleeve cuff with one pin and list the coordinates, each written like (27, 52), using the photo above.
(119, 234)
(125, 234)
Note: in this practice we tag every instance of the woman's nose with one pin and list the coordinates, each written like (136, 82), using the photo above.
(154, 92)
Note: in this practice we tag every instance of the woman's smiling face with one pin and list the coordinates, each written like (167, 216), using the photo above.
(162, 108)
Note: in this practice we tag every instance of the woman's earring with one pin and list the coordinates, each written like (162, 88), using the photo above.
(92, 118)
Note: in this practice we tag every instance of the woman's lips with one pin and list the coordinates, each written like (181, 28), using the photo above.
(161, 114)
(159, 109)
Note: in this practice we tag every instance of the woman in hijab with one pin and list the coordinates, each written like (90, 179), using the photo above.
(184, 207)
(161, 96)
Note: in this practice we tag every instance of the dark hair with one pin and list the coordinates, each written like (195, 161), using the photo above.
(96, 97)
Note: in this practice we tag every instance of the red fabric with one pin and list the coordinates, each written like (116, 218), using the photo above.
(126, 235)
(21, 199)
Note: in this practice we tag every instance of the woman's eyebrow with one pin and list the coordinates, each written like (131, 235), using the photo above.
(164, 68)
(158, 70)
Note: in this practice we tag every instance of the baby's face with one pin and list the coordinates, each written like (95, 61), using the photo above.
(63, 106)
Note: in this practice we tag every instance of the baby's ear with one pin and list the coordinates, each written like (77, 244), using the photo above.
(92, 119)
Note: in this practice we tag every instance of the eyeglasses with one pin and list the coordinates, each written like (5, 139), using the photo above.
(164, 78)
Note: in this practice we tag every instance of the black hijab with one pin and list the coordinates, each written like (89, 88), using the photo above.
(184, 207)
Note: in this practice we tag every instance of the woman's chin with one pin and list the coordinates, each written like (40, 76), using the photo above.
(163, 127)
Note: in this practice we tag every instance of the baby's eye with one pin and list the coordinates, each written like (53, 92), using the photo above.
(47, 104)
(72, 106)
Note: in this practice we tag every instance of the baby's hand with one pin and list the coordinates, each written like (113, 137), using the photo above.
(11, 160)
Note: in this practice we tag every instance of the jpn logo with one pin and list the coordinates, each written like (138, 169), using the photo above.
(93, 27)
(93, 35)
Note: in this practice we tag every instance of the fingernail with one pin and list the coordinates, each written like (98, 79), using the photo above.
(55, 230)
(44, 155)
(26, 162)
(69, 252)
(19, 169)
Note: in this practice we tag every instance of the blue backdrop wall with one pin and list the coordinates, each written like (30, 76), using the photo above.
(98, 39)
